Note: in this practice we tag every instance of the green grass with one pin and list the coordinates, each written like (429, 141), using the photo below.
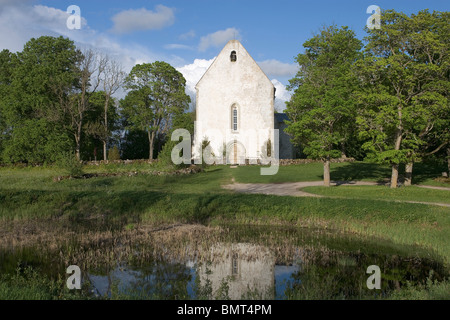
(424, 173)
(30, 193)
(383, 192)
(29, 284)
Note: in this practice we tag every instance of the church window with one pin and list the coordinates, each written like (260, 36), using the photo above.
(233, 56)
(235, 265)
(234, 115)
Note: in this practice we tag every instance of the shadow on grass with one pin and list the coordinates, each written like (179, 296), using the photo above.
(427, 170)
(360, 171)
(382, 173)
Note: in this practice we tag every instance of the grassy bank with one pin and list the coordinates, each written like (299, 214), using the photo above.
(31, 193)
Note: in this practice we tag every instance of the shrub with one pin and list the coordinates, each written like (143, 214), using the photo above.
(165, 157)
(114, 153)
(70, 164)
(210, 153)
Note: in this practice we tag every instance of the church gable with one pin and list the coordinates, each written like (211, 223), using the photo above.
(236, 64)
(234, 106)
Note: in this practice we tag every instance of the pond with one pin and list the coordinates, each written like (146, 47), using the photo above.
(227, 262)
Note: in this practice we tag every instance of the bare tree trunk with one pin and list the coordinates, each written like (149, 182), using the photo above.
(394, 176)
(77, 147)
(408, 173)
(104, 151)
(326, 173)
(151, 139)
(448, 160)
(106, 128)
(398, 141)
(78, 139)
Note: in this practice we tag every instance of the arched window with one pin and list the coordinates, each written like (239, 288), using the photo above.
(235, 264)
(233, 56)
(234, 118)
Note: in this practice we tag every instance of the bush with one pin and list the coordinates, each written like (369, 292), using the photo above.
(209, 153)
(70, 164)
(165, 157)
(114, 153)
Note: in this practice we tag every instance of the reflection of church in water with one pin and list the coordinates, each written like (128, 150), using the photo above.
(246, 268)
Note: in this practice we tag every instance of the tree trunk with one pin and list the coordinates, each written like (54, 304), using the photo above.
(77, 149)
(106, 128)
(151, 138)
(78, 143)
(326, 173)
(394, 176)
(448, 160)
(408, 173)
(104, 151)
(398, 142)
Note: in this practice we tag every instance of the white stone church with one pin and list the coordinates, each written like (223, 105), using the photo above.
(235, 110)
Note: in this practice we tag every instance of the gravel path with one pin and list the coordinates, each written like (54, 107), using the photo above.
(292, 188)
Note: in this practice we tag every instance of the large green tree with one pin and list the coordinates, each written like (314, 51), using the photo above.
(321, 110)
(6, 67)
(404, 81)
(156, 94)
(31, 105)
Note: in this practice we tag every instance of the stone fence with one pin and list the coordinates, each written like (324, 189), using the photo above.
(283, 162)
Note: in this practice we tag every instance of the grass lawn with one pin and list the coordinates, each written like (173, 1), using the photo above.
(31, 193)
(362, 171)
(383, 192)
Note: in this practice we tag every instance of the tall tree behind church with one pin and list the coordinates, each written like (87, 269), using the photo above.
(321, 111)
(156, 94)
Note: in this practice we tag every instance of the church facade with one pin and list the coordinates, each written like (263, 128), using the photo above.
(235, 110)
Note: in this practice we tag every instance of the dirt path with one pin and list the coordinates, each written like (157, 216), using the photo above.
(292, 189)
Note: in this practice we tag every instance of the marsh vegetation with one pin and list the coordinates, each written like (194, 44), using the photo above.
(152, 236)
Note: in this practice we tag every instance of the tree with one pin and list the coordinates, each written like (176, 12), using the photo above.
(112, 81)
(134, 144)
(404, 81)
(32, 109)
(321, 110)
(90, 69)
(6, 67)
(95, 132)
(157, 94)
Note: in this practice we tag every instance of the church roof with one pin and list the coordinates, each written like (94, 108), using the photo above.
(280, 117)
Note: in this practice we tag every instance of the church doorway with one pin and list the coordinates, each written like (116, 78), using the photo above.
(235, 153)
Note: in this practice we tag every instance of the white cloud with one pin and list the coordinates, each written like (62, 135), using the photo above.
(177, 46)
(187, 35)
(142, 19)
(218, 38)
(19, 23)
(193, 72)
(275, 68)
(281, 95)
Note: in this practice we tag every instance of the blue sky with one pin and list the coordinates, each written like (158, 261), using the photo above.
(190, 33)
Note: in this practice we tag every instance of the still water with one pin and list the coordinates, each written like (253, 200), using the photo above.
(238, 263)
